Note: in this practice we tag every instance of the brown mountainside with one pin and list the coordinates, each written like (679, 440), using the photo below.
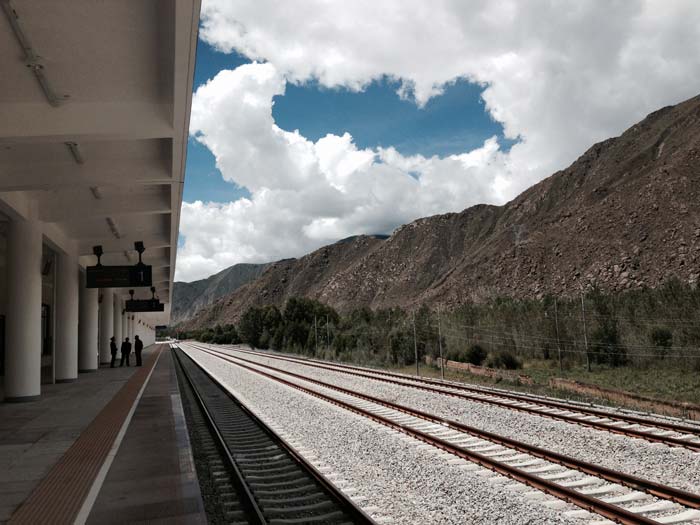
(625, 214)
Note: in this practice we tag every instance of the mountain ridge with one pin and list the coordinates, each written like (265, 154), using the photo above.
(189, 298)
(624, 215)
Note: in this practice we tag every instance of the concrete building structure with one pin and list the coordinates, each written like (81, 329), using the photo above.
(94, 114)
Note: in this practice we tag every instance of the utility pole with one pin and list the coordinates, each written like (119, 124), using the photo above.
(585, 333)
(328, 334)
(415, 344)
(316, 332)
(556, 324)
(442, 359)
(391, 353)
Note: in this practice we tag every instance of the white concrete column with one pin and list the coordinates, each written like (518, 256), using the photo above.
(67, 293)
(118, 320)
(106, 323)
(23, 351)
(125, 326)
(87, 337)
(137, 326)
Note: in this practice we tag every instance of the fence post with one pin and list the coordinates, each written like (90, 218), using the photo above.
(442, 359)
(415, 344)
(316, 332)
(585, 333)
(556, 324)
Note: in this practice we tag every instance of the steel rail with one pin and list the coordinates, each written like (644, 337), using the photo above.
(606, 510)
(680, 428)
(659, 490)
(410, 382)
(248, 500)
(357, 515)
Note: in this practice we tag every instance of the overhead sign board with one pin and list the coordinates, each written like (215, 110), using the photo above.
(144, 305)
(119, 276)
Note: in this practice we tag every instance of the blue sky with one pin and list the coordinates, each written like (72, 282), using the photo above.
(451, 123)
(547, 79)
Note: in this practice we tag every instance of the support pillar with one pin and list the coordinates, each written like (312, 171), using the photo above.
(67, 292)
(23, 351)
(106, 323)
(87, 340)
(137, 326)
(118, 336)
(125, 325)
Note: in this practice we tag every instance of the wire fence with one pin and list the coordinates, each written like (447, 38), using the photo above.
(432, 332)
(579, 330)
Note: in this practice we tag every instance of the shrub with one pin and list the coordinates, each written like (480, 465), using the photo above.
(661, 338)
(264, 342)
(504, 360)
(475, 355)
(606, 345)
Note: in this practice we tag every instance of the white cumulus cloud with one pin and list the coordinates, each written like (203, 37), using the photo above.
(558, 76)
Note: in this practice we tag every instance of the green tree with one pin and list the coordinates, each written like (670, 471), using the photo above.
(250, 327)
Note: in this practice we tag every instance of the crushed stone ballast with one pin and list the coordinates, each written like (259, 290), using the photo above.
(613, 495)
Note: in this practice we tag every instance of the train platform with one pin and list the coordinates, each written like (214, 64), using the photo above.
(111, 447)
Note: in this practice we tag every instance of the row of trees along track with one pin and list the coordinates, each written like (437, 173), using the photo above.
(636, 328)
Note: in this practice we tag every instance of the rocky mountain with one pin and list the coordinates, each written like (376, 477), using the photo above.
(625, 214)
(189, 298)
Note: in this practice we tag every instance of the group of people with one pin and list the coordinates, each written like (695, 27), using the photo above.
(126, 351)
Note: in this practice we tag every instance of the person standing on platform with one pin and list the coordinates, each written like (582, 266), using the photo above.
(138, 346)
(126, 350)
(113, 351)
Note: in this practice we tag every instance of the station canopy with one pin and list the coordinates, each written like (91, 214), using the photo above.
(94, 113)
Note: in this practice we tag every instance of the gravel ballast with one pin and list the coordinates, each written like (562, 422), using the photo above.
(402, 482)
(676, 467)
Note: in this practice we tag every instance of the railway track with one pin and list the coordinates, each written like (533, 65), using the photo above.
(616, 496)
(218, 484)
(666, 432)
(258, 478)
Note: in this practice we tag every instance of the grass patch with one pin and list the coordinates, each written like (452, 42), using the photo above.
(668, 383)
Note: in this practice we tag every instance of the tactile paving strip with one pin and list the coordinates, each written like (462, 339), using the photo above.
(60, 495)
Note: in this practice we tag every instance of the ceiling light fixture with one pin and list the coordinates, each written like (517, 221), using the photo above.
(32, 59)
(113, 228)
(49, 93)
(96, 192)
(75, 151)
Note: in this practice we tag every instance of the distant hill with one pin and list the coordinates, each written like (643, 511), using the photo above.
(188, 298)
(626, 214)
